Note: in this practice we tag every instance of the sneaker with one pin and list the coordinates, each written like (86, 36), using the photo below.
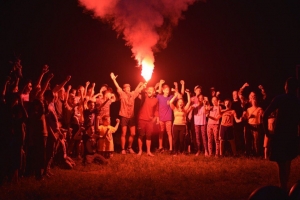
(123, 152)
(130, 150)
(198, 153)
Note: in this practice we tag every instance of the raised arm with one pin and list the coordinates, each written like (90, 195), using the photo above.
(114, 78)
(172, 101)
(93, 90)
(243, 87)
(44, 71)
(60, 86)
(161, 82)
(67, 93)
(140, 87)
(176, 86)
(5, 87)
(86, 88)
(187, 105)
(45, 86)
(182, 87)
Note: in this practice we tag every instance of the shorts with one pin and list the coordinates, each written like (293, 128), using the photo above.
(145, 128)
(166, 126)
(226, 133)
(127, 121)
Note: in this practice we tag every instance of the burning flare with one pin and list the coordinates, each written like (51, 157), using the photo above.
(145, 25)
(147, 69)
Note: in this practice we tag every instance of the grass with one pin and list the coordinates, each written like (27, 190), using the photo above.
(159, 177)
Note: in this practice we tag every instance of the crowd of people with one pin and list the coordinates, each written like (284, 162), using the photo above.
(43, 126)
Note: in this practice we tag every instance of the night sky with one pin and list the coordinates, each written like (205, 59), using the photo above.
(219, 43)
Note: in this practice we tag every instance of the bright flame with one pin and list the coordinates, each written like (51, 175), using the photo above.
(145, 25)
(147, 69)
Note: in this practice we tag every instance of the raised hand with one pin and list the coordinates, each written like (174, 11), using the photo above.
(68, 78)
(245, 85)
(45, 69)
(87, 83)
(182, 82)
(112, 76)
(117, 120)
(161, 81)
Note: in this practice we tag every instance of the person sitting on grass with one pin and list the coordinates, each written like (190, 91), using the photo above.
(89, 144)
(106, 143)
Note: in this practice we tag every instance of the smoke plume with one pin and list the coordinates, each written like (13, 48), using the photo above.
(145, 25)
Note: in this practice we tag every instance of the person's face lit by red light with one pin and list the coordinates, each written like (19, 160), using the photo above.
(200, 99)
(214, 101)
(166, 90)
(252, 95)
(61, 92)
(91, 105)
(80, 91)
(227, 104)
(180, 103)
(126, 89)
(28, 88)
(235, 95)
(150, 92)
(71, 100)
(198, 91)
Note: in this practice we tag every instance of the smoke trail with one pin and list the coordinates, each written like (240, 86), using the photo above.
(146, 25)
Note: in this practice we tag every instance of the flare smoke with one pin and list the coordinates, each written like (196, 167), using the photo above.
(146, 25)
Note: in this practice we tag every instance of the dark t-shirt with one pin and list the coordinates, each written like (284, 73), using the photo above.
(89, 144)
(284, 142)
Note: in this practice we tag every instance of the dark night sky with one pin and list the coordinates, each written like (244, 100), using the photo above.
(219, 43)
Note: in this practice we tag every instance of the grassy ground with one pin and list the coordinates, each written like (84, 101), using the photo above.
(159, 177)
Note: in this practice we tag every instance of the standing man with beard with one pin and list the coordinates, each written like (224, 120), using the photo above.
(148, 115)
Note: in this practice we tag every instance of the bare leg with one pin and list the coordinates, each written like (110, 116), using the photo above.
(284, 169)
(131, 137)
(222, 147)
(148, 144)
(140, 143)
(160, 139)
(170, 141)
(123, 139)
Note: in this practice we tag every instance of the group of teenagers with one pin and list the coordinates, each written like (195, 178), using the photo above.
(42, 124)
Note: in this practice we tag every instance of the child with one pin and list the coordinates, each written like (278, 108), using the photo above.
(89, 142)
(106, 142)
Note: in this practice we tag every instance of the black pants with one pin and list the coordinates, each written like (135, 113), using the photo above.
(179, 132)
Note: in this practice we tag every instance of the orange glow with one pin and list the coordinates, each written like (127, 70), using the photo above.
(147, 69)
